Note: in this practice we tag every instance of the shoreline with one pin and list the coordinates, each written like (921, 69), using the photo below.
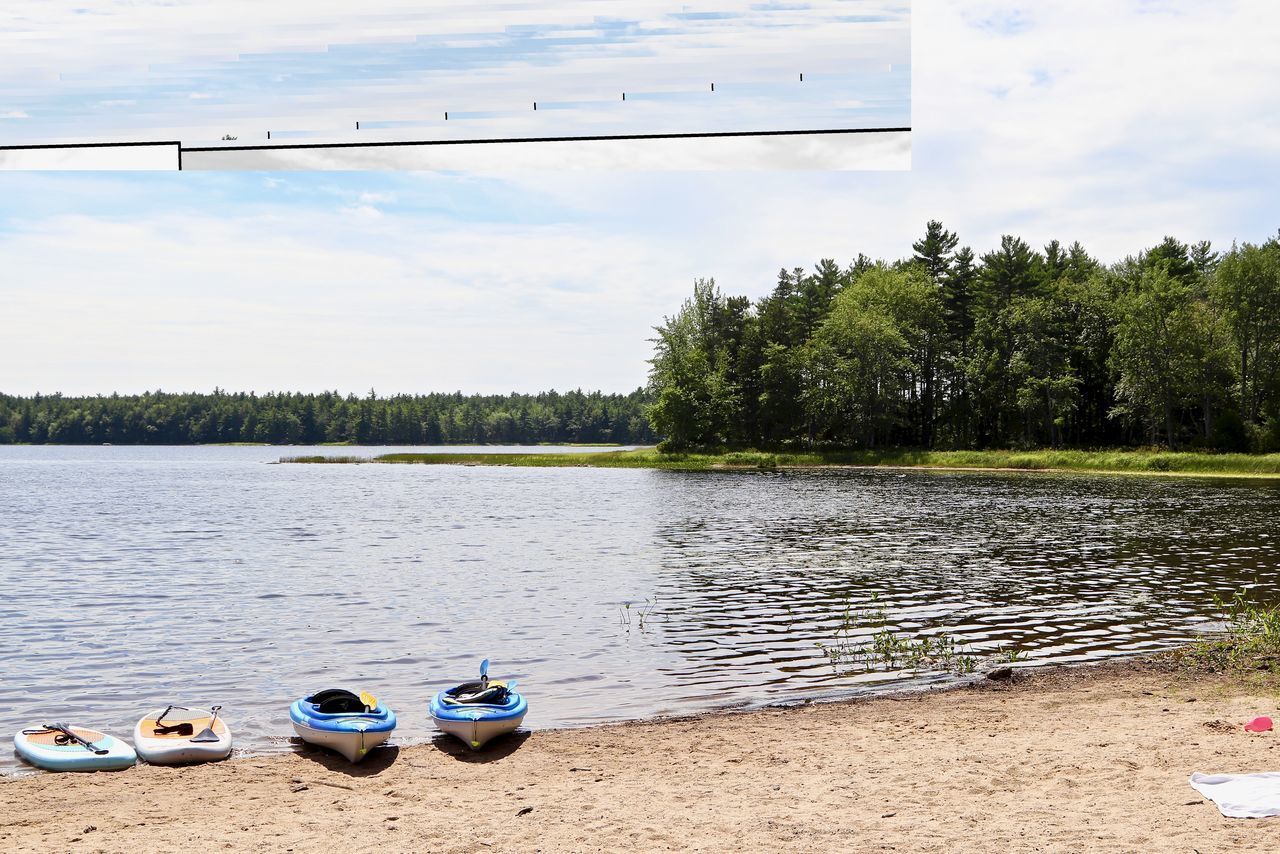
(1142, 463)
(1051, 761)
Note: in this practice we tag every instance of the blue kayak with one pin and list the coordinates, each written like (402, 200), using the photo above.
(477, 712)
(339, 720)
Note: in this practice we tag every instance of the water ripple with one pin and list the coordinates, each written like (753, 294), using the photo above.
(138, 576)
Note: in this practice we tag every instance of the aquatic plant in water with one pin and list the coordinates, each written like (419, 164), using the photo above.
(865, 642)
(644, 614)
(1251, 640)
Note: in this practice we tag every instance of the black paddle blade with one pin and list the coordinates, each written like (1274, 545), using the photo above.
(207, 734)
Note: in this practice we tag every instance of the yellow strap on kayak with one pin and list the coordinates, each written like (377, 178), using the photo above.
(368, 699)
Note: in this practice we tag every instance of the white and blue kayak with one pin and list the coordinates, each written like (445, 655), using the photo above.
(61, 747)
(478, 712)
(336, 719)
(176, 735)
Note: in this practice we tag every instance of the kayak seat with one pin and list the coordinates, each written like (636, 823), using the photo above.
(337, 701)
(477, 693)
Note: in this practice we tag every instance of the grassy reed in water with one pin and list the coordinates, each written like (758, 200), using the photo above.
(865, 642)
(1250, 643)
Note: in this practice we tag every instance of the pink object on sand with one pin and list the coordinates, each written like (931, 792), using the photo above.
(1260, 724)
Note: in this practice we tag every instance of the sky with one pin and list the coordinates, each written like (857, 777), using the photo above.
(198, 71)
(1114, 123)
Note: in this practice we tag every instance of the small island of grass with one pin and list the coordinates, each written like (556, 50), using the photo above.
(1148, 462)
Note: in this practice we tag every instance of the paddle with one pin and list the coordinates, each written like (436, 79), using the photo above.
(207, 734)
(65, 729)
(484, 673)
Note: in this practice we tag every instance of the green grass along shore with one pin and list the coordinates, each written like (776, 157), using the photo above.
(1152, 462)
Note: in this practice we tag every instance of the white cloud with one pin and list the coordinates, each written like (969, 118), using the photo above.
(139, 34)
(312, 299)
(1113, 120)
(1114, 123)
(362, 211)
(15, 114)
(832, 152)
(337, 63)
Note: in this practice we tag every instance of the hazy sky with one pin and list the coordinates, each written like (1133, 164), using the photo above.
(1114, 122)
(197, 70)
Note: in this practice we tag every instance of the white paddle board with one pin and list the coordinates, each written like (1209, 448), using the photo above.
(170, 742)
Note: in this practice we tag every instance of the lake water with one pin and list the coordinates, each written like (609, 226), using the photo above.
(136, 577)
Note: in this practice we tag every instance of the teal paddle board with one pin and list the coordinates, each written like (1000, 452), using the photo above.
(58, 747)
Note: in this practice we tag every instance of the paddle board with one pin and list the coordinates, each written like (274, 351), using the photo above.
(171, 742)
(53, 751)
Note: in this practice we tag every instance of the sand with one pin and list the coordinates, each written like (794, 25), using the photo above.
(1080, 759)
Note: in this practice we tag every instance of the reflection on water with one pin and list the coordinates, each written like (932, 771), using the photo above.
(1059, 568)
(135, 577)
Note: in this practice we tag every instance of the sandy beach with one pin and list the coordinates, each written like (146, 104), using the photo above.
(1079, 759)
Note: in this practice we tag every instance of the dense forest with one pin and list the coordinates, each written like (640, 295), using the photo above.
(433, 419)
(1178, 345)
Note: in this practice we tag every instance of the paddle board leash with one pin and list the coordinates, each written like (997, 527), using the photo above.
(184, 728)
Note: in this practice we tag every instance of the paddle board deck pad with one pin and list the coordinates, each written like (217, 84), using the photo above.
(176, 738)
(352, 732)
(53, 751)
(478, 723)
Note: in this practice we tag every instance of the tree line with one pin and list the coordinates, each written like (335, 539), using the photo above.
(1178, 345)
(158, 418)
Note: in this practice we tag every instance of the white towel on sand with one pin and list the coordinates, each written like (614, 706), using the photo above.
(1241, 795)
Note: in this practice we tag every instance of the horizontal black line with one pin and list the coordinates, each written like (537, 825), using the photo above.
(420, 142)
(88, 145)
(608, 138)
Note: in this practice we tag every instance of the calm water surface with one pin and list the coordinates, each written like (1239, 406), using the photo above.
(134, 577)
